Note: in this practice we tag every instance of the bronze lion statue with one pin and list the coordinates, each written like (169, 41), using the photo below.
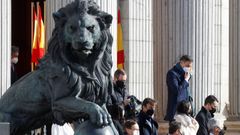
(72, 81)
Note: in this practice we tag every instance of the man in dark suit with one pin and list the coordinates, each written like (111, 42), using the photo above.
(118, 100)
(14, 61)
(147, 125)
(205, 114)
(178, 85)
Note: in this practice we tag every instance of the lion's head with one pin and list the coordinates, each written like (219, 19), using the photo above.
(81, 35)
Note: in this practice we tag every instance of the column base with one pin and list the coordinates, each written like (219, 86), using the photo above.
(233, 127)
(163, 127)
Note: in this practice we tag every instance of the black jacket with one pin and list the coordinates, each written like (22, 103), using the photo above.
(202, 118)
(147, 125)
(14, 76)
(119, 127)
(115, 102)
(115, 107)
(120, 94)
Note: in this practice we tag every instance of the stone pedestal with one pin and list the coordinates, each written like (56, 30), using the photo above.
(4, 128)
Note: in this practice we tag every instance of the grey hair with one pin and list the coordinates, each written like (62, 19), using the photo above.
(213, 123)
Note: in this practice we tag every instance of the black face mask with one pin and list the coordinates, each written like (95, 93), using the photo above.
(213, 110)
(120, 84)
(150, 112)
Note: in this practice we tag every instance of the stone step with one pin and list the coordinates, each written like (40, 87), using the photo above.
(233, 127)
(163, 128)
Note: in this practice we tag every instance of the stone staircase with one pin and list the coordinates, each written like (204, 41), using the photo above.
(163, 128)
(233, 127)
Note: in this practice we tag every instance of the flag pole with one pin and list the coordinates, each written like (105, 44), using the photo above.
(33, 17)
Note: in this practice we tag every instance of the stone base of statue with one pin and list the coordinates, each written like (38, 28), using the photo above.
(87, 128)
(4, 128)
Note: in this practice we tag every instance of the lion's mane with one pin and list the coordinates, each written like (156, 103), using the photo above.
(98, 66)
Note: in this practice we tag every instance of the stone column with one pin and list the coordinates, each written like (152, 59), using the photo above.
(136, 18)
(109, 6)
(5, 45)
(198, 28)
(234, 95)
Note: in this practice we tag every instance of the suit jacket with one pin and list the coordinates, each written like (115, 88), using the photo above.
(14, 76)
(147, 125)
(177, 90)
(115, 103)
(202, 118)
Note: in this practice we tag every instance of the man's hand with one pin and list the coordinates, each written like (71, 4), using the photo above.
(126, 102)
(187, 76)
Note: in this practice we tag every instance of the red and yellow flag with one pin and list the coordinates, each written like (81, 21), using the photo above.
(120, 49)
(38, 46)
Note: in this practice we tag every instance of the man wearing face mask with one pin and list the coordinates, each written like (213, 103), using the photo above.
(131, 127)
(206, 113)
(147, 125)
(118, 100)
(178, 85)
(14, 61)
(120, 90)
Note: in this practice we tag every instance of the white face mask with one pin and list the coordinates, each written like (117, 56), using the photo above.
(186, 69)
(136, 132)
(15, 60)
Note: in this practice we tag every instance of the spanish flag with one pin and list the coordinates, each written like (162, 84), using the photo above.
(120, 49)
(38, 46)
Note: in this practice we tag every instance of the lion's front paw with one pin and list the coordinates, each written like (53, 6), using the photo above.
(98, 115)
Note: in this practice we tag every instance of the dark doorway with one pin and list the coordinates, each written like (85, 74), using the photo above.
(22, 32)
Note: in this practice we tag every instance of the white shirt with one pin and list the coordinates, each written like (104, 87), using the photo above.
(66, 129)
(189, 126)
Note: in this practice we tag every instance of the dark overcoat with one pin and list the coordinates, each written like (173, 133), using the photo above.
(178, 90)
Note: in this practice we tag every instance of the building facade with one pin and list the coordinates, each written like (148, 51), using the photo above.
(156, 33)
